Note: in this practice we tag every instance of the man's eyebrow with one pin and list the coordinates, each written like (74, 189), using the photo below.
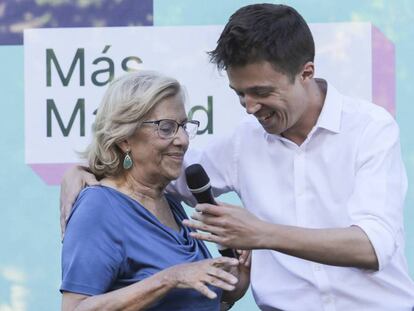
(255, 89)
(262, 88)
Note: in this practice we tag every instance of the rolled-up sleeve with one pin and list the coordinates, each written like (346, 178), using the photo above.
(376, 204)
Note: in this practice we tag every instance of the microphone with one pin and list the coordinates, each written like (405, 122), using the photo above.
(199, 184)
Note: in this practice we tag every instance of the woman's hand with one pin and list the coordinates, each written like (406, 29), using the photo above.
(199, 274)
(73, 181)
(140, 295)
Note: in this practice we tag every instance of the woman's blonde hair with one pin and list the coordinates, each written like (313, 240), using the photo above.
(124, 106)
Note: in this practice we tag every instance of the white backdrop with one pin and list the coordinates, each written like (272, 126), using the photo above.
(344, 57)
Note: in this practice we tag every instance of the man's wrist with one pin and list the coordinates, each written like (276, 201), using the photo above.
(266, 236)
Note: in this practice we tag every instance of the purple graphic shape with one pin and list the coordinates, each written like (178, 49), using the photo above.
(383, 71)
(17, 15)
(51, 174)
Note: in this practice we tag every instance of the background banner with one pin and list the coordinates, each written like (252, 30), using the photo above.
(68, 69)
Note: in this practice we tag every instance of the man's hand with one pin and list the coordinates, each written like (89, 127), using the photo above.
(227, 225)
(73, 181)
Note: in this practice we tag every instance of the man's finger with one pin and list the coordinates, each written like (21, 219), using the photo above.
(64, 215)
(244, 257)
(248, 260)
(202, 227)
(62, 226)
(207, 219)
(206, 237)
(90, 180)
(209, 209)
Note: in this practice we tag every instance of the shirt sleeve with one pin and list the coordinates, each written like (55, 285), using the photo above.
(92, 249)
(218, 160)
(376, 205)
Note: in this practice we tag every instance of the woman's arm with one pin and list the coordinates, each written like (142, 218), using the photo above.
(134, 297)
(142, 294)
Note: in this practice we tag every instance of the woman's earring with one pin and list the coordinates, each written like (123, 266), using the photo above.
(127, 164)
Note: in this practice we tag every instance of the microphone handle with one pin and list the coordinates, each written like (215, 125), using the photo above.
(228, 252)
(207, 197)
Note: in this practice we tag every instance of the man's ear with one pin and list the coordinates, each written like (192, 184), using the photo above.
(308, 71)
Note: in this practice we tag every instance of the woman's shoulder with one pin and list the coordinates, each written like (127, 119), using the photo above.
(96, 195)
(94, 203)
(93, 192)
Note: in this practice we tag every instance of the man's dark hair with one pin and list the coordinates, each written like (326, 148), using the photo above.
(265, 32)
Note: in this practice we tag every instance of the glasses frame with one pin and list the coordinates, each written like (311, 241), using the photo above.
(178, 125)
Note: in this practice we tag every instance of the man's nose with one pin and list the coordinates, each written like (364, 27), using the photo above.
(250, 104)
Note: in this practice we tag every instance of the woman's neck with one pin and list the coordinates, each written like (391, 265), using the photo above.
(142, 191)
(149, 195)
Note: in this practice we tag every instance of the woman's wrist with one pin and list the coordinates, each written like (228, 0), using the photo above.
(168, 278)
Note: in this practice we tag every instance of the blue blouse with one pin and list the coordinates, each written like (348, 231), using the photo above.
(112, 241)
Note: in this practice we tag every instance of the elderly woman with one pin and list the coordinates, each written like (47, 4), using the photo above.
(125, 247)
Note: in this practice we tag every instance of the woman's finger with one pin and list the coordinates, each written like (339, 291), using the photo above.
(220, 283)
(225, 261)
(222, 275)
(203, 289)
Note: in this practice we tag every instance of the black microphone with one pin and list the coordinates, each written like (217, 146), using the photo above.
(199, 184)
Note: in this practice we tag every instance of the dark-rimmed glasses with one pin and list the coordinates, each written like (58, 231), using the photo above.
(167, 128)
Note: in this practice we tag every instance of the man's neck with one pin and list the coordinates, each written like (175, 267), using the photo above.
(317, 94)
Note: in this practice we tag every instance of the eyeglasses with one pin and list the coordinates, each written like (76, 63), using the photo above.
(167, 128)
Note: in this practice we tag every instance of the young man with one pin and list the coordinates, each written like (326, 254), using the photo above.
(319, 174)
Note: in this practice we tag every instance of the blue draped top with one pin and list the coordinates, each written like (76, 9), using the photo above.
(112, 241)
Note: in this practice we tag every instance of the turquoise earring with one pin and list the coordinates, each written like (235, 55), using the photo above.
(127, 164)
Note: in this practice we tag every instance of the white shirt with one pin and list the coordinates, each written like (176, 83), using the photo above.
(347, 172)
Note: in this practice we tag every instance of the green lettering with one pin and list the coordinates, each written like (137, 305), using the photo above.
(51, 109)
(51, 58)
(126, 60)
(209, 114)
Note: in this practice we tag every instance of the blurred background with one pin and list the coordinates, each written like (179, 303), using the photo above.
(29, 208)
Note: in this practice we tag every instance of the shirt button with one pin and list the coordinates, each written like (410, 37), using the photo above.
(327, 299)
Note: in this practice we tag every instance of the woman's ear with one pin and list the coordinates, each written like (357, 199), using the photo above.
(124, 146)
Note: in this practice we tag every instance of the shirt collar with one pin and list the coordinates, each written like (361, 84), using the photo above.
(330, 117)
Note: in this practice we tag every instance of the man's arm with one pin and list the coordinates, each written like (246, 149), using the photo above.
(235, 227)
(73, 181)
(374, 208)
